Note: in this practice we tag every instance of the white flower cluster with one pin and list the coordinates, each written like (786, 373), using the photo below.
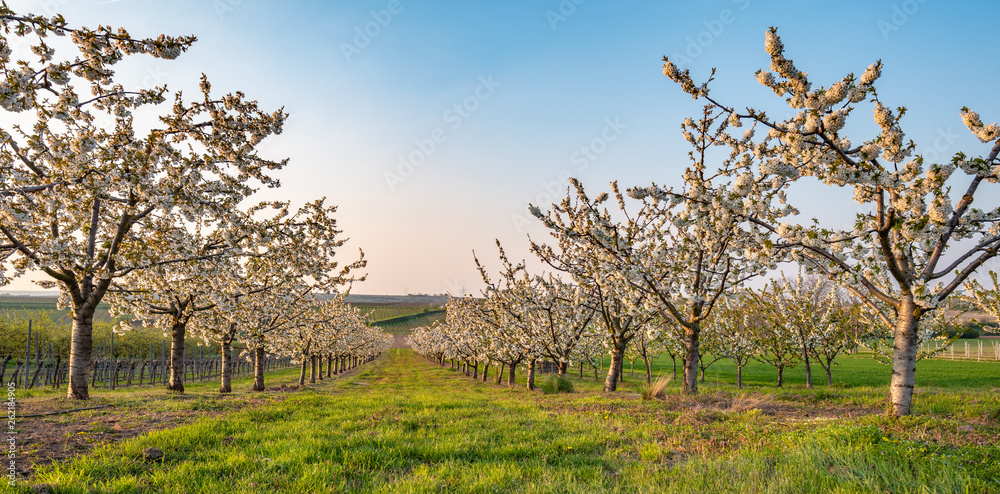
(985, 133)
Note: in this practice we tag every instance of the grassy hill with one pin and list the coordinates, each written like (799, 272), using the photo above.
(392, 311)
(403, 325)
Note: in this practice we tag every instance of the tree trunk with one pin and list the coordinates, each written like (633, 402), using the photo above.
(17, 371)
(739, 376)
(81, 353)
(829, 376)
(486, 371)
(615, 367)
(510, 374)
(176, 382)
(809, 374)
(531, 375)
(500, 372)
(691, 359)
(649, 373)
(329, 365)
(227, 365)
(3, 366)
(781, 378)
(904, 358)
(302, 372)
(312, 369)
(581, 369)
(258, 369)
(674, 359)
(475, 370)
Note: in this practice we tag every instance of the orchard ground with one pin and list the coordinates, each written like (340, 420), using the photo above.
(46, 436)
(402, 424)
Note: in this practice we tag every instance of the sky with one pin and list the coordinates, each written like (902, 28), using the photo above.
(433, 125)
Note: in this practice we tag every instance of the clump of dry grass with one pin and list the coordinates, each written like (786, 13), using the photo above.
(744, 401)
(657, 389)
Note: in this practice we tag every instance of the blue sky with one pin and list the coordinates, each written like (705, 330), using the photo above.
(373, 84)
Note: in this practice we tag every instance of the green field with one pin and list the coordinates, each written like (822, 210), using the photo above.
(381, 312)
(28, 304)
(849, 371)
(403, 325)
(405, 425)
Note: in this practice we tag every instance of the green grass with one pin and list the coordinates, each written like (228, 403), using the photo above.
(404, 425)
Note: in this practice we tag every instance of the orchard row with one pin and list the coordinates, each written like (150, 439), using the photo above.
(145, 199)
(667, 265)
(805, 321)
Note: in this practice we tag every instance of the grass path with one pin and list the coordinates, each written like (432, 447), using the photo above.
(401, 424)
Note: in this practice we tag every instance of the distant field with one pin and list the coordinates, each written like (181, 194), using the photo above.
(362, 299)
(22, 303)
(408, 324)
(27, 303)
(382, 312)
(976, 315)
(398, 306)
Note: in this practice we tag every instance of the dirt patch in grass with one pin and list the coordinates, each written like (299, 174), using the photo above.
(111, 418)
(55, 438)
(768, 404)
(714, 404)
